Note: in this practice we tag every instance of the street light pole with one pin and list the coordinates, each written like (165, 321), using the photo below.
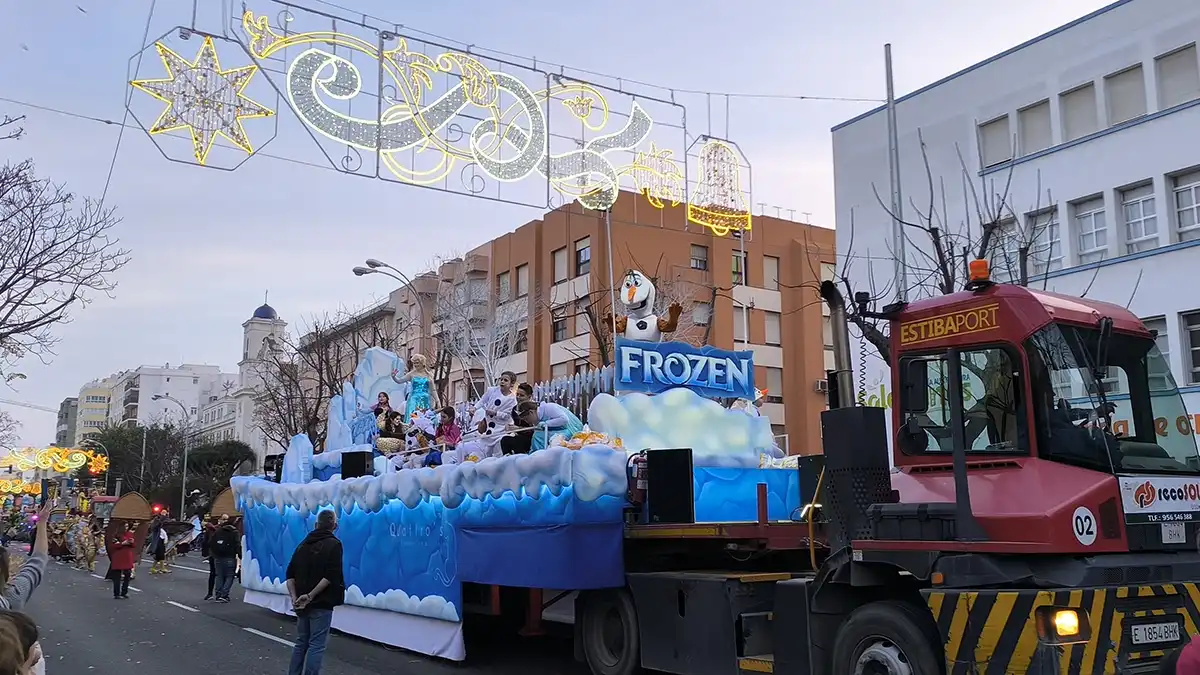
(183, 469)
(379, 267)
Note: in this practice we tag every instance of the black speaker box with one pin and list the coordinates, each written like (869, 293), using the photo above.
(669, 490)
(355, 464)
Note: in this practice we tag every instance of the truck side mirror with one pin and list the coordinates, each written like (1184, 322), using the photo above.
(915, 386)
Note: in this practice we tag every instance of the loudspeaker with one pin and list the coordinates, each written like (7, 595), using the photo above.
(669, 490)
(810, 467)
(273, 467)
(355, 464)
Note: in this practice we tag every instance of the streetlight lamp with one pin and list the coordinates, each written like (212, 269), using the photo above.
(183, 472)
(90, 441)
(378, 267)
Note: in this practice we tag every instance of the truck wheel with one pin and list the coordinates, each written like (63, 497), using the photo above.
(888, 638)
(609, 631)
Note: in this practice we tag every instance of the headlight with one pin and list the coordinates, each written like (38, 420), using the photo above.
(1062, 625)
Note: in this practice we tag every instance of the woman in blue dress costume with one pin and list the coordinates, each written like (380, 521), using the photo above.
(422, 395)
(552, 419)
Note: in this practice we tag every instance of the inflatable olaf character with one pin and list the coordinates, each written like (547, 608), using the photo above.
(640, 323)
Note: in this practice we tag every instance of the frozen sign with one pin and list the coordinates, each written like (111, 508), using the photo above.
(655, 367)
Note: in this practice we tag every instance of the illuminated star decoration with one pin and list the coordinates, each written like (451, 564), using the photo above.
(204, 99)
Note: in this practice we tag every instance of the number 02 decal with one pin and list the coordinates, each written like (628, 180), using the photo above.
(1083, 524)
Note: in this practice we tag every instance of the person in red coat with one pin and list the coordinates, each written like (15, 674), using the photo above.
(124, 555)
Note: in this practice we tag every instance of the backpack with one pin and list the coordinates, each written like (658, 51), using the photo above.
(225, 544)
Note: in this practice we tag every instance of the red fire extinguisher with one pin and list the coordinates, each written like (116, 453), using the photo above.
(636, 493)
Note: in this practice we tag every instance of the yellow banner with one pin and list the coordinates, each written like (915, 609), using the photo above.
(962, 322)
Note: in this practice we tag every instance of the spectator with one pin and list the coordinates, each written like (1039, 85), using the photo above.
(1182, 661)
(225, 550)
(12, 655)
(25, 582)
(121, 561)
(316, 586)
(28, 632)
(205, 552)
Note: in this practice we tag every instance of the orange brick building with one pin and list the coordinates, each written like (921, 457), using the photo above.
(555, 273)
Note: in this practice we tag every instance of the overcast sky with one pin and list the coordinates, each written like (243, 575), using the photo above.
(207, 244)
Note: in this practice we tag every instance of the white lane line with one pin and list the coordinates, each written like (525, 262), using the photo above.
(182, 606)
(191, 569)
(98, 577)
(274, 638)
(135, 589)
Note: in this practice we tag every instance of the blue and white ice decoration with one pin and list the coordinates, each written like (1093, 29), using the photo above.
(399, 531)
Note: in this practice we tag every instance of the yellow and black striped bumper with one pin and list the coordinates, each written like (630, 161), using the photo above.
(995, 632)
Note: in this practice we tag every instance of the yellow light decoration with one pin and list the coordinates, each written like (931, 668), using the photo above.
(718, 202)
(16, 486)
(657, 176)
(97, 464)
(413, 126)
(204, 99)
(58, 460)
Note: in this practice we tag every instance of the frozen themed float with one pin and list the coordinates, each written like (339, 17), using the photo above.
(553, 519)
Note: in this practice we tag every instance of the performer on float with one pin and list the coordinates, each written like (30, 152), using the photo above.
(552, 419)
(422, 395)
(637, 293)
(490, 423)
(390, 424)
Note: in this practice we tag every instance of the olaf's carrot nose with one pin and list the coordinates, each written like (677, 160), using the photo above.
(630, 293)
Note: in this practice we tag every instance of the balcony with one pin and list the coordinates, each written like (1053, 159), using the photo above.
(131, 398)
(131, 413)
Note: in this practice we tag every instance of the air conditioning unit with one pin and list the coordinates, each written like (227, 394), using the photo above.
(821, 386)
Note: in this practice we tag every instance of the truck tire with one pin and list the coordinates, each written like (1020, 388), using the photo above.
(888, 638)
(609, 633)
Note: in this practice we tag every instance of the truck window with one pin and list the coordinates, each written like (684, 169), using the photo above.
(993, 414)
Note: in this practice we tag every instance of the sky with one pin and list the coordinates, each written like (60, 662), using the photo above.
(206, 245)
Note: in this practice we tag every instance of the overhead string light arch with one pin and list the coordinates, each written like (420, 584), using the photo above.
(381, 104)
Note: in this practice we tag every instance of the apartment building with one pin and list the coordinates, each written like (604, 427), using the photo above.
(180, 390)
(64, 433)
(537, 296)
(92, 411)
(1087, 129)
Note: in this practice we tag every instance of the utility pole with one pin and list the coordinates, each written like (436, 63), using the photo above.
(901, 273)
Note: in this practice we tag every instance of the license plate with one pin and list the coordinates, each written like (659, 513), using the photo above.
(1174, 533)
(1154, 633)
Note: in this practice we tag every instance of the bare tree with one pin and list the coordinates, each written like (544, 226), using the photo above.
(299, 374)
(9, 428)
(55, 252)
(1019, 245)
(478, 328)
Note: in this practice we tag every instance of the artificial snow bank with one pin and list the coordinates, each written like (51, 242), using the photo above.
(680, 418)
(393, 600)
(593, 472)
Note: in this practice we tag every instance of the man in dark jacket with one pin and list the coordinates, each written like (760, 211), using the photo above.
(316, 586)
(225, 547)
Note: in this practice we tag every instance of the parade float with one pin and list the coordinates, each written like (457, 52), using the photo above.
(552, 519)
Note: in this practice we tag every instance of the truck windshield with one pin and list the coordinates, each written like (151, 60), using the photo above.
(1133, 413)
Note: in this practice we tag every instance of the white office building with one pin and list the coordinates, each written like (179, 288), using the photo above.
(1092, 127)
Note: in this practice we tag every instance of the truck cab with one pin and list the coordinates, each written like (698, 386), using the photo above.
(1034, 501)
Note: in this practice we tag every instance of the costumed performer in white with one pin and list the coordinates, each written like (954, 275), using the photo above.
(640, 322)
(493, 415)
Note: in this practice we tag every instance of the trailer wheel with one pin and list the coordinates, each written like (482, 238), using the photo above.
(888, 638)
(609, 632)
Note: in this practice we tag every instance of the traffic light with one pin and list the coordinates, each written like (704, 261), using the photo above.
(157, 509)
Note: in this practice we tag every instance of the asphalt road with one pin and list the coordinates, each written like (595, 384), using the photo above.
(166, 627)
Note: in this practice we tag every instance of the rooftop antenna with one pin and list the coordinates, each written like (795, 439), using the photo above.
(807, 217)
(762, 208)
(778, 211)
(791, 214)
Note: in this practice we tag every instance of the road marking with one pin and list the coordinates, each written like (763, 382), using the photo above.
(98, 576)
(274, 638)
(191, 569)
(182, 606)
(135, 589)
